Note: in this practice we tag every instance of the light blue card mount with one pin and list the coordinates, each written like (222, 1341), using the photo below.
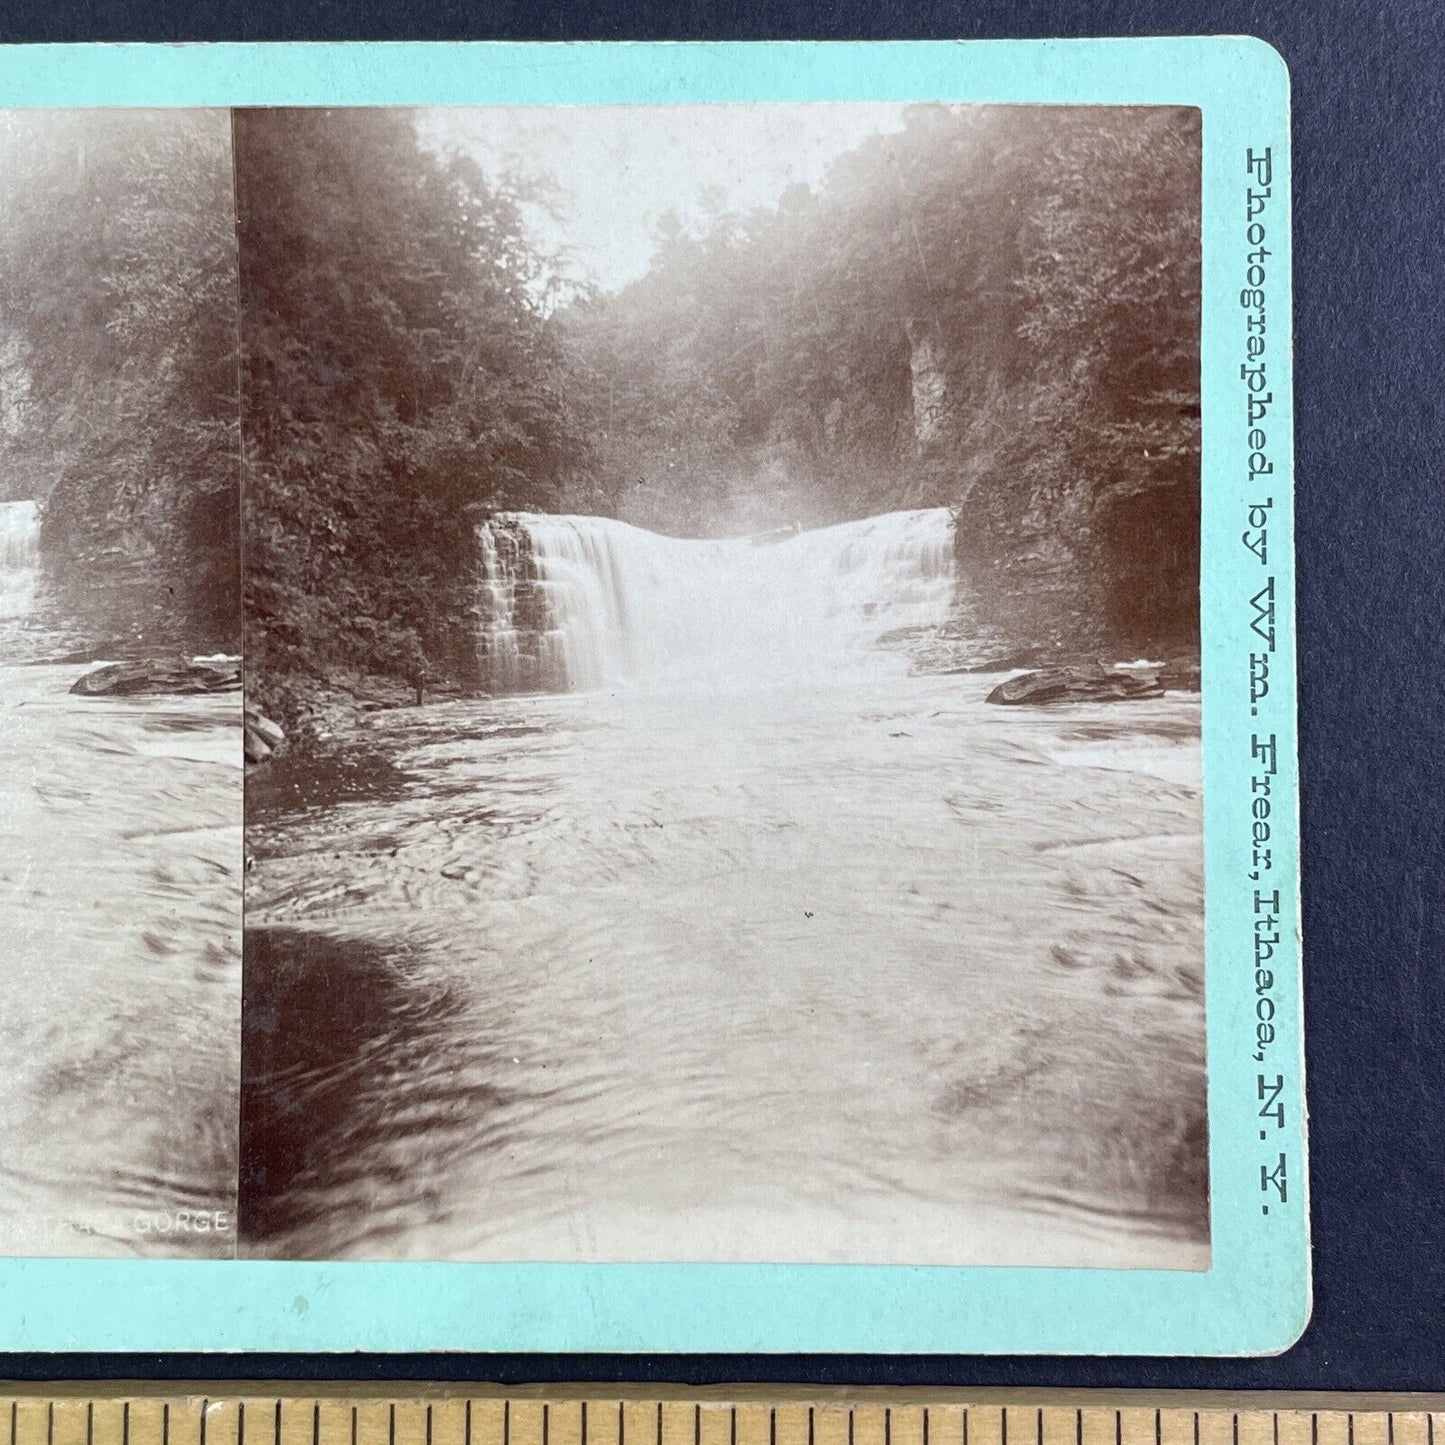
(842, 892)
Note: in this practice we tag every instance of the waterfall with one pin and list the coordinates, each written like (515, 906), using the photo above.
(575, 603)
(19, 557)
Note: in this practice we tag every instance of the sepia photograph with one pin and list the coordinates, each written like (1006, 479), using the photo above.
(120, 688)
(722, 724)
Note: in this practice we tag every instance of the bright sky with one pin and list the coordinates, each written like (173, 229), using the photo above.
(619, 169)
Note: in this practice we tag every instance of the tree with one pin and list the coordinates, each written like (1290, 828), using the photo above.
(401, 378)
(994, 308)
(119, 361)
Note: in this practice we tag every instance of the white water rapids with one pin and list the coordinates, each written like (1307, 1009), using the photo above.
(19, 557)
(581, 603)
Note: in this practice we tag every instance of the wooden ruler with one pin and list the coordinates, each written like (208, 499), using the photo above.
(462, 1415)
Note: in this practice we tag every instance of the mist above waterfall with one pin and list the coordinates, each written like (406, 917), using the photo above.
(573, 603)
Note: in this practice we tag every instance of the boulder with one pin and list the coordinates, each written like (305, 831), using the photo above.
(263, 737)
(129, 679)
(1088, 683)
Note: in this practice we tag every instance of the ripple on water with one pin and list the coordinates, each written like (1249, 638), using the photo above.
(362, 1073)
(845, 972)
(120, 877)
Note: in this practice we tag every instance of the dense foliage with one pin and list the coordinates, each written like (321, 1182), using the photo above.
(995, 308)
(992, 308)
(400, 378)
(118, 364)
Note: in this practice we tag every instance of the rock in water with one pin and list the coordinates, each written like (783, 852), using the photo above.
(1090, 683)
(270, 732)
(128, 679)
(263, 737)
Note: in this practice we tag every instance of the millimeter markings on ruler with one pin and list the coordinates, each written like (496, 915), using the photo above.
(458, 1415)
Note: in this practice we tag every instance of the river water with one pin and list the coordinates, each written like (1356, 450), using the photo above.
(820, 958)
(120, 881)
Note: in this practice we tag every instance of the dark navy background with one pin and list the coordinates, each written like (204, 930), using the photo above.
(1369, 141)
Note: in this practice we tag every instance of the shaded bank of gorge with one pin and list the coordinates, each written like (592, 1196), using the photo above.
(402, 375)
(118, 377)
(992, 309)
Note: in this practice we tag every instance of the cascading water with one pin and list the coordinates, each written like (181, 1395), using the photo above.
(577, 603)
(19, 557)
(770, 945)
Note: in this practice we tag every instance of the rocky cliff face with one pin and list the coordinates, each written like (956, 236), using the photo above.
(1095, 566)
(929, 383)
